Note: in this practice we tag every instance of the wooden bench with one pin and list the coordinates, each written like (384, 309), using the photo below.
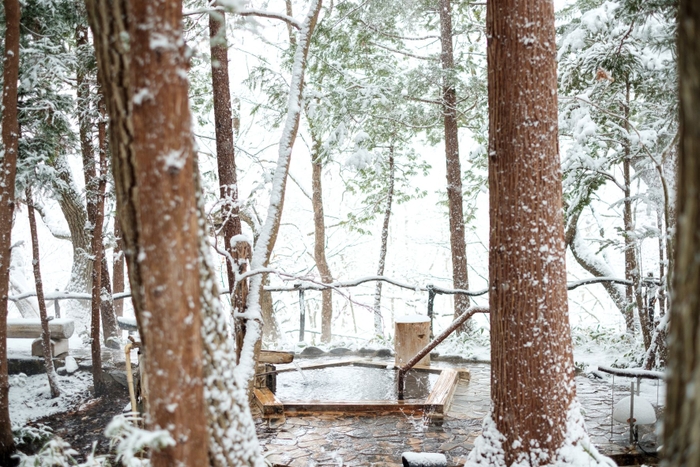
(60, 330)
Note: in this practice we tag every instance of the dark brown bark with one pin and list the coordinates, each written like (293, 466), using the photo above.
(237, 252)
(110, 327)
(384, 245)
(153, 165)
(634, 291)
(681, 423)
(8, 166)
(96, 213)
(118, 267)
(45, 334)
(458, 246)
(532, 384)
(94, 196)
(320, 240)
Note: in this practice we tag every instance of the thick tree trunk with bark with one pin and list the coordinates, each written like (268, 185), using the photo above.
(73, 210)
(458, 246)
(681, 423)
(534, 410)
(237, 251)
(320, 239)
(153, 163)
(45, 334)
(378, 322)
(8, 166)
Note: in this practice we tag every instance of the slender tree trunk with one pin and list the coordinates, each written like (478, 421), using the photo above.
(320, 239)
(10, 136)
(110, 327)
(153, 164)
(118, 267)
(534, 410)
(681, 421)
(268, 236)
(45, 334)
(633, 292)
(662, 266)
(96, 212)
(378, 322)
(237, 251)
(458, 246)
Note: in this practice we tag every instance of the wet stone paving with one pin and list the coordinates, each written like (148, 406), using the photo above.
(379, 439)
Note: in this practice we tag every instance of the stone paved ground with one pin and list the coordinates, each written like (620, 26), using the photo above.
(379, 439)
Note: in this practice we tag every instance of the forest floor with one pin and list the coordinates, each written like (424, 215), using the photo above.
(376, 439)
(83, 427)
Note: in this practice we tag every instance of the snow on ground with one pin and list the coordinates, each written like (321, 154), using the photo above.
(30, 397)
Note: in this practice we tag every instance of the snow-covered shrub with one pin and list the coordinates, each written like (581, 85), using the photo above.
(131, 441)
(32, 437)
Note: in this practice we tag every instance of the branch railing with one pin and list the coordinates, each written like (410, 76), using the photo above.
(303, 284)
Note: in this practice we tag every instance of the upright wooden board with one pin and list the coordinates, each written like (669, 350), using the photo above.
(412, 334)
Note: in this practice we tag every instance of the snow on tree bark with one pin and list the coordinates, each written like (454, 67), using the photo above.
(268, 234)
(535, 419)
(238, 252)
(458, 246)
(681, 423)
(8, 169)
(232, 437)
(153, 164)
(45, 335)
(384, 245)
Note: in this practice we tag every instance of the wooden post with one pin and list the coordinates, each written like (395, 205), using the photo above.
(412, 334)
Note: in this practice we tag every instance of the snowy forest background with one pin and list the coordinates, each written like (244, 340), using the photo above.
(366, 192)
(374, 83)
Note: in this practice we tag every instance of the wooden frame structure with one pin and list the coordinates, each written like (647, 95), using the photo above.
(435, 406)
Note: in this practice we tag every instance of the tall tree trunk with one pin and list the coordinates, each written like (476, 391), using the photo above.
(681, 423)
(320, 238)
(268, 236)
(118, 267)
(110, 327)
(96, 215)
(378, 322)
(238, 251)
(153, 164)
(534, 410)
(458, 246)
(634, 291)
(45, 335)
(8, 166)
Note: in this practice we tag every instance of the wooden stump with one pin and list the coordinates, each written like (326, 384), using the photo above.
(412, 334)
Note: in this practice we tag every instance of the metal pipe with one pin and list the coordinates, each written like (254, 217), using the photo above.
(302, 316)
(632, 419)
(426, 350)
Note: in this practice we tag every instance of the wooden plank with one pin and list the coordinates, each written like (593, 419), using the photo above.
(441, 396)
(20, 328)
(319, 365)
(353, 407)
(275, 357)
(268, 403)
